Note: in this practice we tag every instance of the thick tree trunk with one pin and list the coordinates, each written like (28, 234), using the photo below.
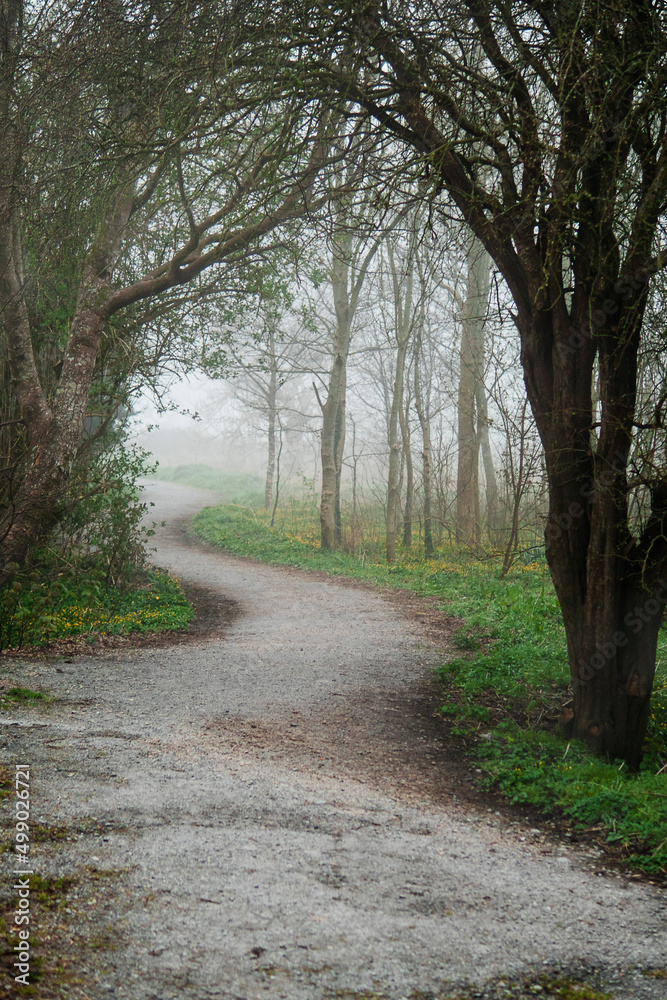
(611, 586)
(54, 431)
(615, 656)
(44, 473)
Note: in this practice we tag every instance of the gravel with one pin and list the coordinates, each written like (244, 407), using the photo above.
(240, 824)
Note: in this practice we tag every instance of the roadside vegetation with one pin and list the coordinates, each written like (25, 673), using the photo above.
(505, 691)
(244, 488)
(91, 579)
(41, 613)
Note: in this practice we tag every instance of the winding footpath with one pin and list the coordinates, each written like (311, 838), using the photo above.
(255, 814)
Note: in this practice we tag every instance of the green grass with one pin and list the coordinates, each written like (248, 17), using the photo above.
(21, 696)
(40, 614)
(235, 487)
(511, 674)
(518, 618)
(535, 768)
(51, 893)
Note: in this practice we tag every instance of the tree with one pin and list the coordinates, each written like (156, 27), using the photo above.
(407, 315)
(566, 111)
(351, 256)
(472, 417)
(422, 408)
(142, 140)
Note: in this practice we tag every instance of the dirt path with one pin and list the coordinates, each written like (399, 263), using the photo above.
(264, 814)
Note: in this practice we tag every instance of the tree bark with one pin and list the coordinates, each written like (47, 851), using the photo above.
(490, 481)
(471, 387)
(272, 410)
(427, 474)
(409, 478)
(403, 320)
(346, 290)
(333, 431)
(54, 431)
(394, 458)
(610, 584)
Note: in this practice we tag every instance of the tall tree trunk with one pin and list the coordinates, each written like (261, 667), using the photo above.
(490, 481)
(272, 409)
(394, 456)
(54, 430)
(333, 432)
(473, 313)
(346, 293)
(427, 474)
(339, 448)
(409, 478)
(403, 320)
(612, 587)
(277, 493)
(517, 487)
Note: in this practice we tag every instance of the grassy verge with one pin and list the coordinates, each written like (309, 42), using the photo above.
(235, 487)
(38, 614)
(505, 691)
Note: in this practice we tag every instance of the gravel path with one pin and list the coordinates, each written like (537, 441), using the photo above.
(253, 815)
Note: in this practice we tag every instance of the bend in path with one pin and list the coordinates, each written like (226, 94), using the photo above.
(252, 816)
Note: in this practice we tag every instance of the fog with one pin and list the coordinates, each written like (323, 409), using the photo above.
(205, 425)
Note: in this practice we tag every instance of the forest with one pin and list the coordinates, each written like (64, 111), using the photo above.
(421, 241)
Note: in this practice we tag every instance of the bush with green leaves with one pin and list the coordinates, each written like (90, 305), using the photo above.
(101, 529)
(91, 576)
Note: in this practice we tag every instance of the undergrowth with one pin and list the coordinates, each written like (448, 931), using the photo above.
(37, 614)
(533, 767)
(89, 577)
(509, 683)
